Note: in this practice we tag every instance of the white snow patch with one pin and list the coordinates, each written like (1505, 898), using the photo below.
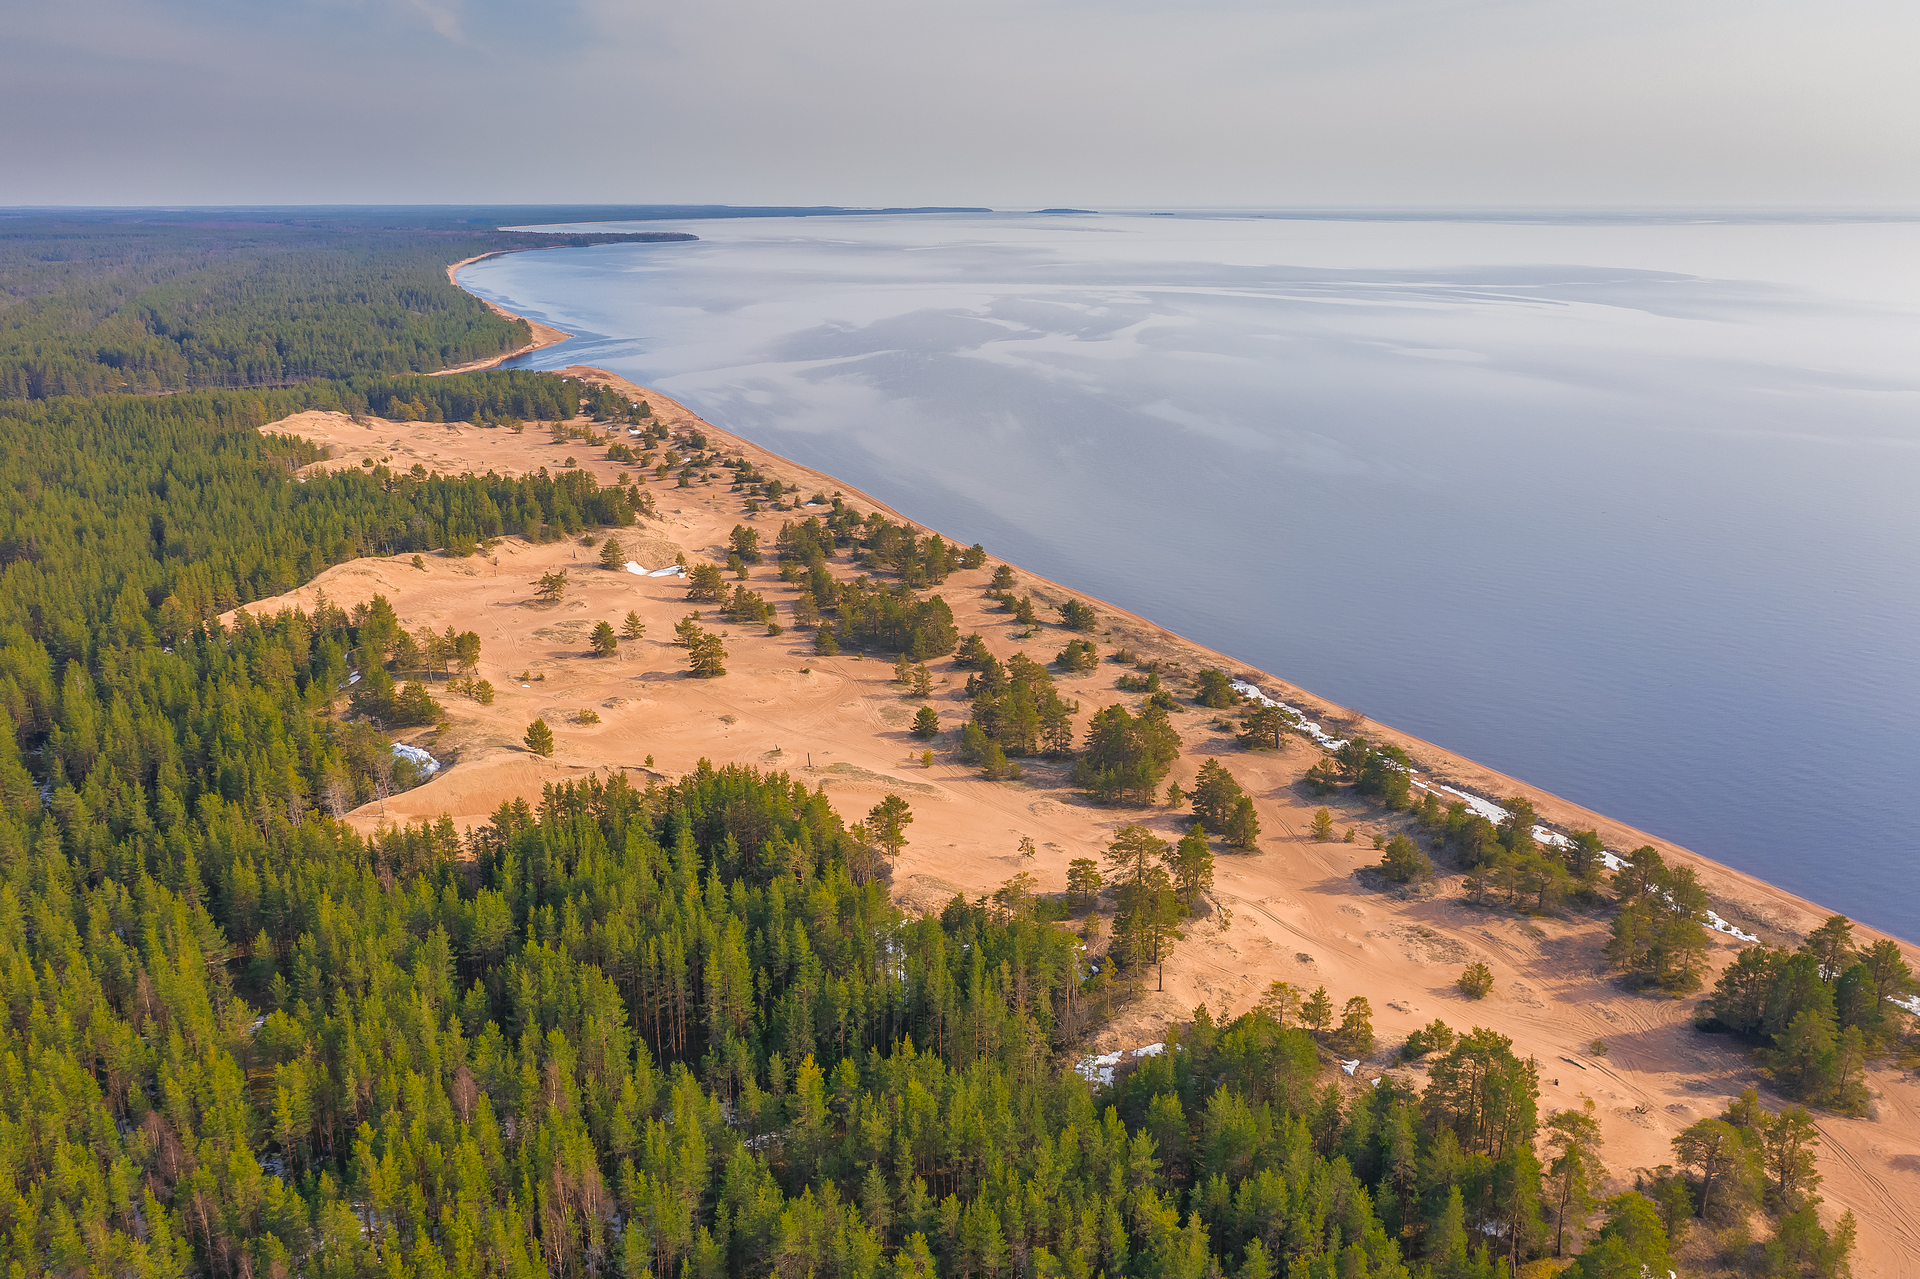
(1912, 1004)
(1350, 1066)
(428, 764)
(671, 570)
(1099, 1070)
(1554, 839)
(635, 569)
(1312, 729)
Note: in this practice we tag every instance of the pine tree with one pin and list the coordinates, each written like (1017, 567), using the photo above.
(1354, 1035)
(1322, 825)
(1574, 1138)
(604, 641)
(926, 723)
(1083, 881)
(1317, 1013)
(1191, 866)
(633, 628)
(888, 821)
(1243, 826)
(611, 554)
(1403, 862)
(707, 656)
(539, 738)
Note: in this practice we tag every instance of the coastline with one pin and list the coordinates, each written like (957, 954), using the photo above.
(1778, 916)
(1775, 914)
(1764, 908)
(544, 335)
(1298, 909)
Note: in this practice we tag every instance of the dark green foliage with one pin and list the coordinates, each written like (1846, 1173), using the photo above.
(1191, 866)
(1242, 831)
(1126, 757)
(1435, 1037)
(1266, 726)
(1403, 862)
(539, 738)
(1213, 688)
(1215, 793)
(896, 621)
(1079, 656)
(1476, 981)
(1660, 934)
(926, 723)
(1078, 616)
(882, 546)
(93, 303)
(706, 584)
(1017, 708)
(706, 655)
(1822, 1010)
(1748, 1158)
(680, 1031)
(746, 608)
(1379, 771)
(972, 653)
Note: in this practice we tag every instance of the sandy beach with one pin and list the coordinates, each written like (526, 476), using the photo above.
(1295, 910)
(544, 335)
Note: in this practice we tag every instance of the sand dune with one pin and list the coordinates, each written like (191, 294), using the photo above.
(1298, 910)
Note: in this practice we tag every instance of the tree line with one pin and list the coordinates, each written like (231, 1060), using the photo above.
(144, 302)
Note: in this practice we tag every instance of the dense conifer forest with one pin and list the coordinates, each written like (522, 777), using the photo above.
(678, 1032)
(149, 301)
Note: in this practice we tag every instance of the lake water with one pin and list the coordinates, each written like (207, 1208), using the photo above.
(1623, 506)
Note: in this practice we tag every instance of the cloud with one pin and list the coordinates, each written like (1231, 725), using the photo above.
(997, 101)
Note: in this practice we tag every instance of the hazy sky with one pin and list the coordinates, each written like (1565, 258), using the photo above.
(995, 102)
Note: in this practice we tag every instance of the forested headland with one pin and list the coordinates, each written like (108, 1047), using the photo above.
(684, 1030)
(150, 301)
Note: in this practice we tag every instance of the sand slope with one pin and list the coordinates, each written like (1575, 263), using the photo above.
(1297, 910)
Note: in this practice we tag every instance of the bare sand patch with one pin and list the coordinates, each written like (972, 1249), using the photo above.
(1295, 910)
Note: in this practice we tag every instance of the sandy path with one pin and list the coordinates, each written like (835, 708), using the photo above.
(1298, 912)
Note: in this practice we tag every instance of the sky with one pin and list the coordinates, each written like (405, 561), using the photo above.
(1003, 103)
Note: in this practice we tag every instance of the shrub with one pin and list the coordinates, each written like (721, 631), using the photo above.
(1476, 981)
(1214, 689)
(1402, 862)
(1079, 656)
(1435, 1037)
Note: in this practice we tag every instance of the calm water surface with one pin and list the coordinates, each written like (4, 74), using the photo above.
(1623, 507)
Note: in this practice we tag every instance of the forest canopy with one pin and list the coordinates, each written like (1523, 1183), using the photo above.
(674, 1032)
(143, 301)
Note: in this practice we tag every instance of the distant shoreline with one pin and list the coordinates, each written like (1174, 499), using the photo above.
(544, 335)
(1778, 915)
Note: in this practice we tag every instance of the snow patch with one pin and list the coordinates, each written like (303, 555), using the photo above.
(428, 764)
(1311, 728)
(671, 570)
(1554, 839)
(1099, 1070)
